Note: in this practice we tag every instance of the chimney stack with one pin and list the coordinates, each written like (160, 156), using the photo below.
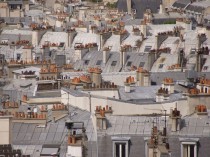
(175, 120)
(143, 77)
(129, 6)
(129, 81)
(123, 57)
(168, 83)
(71, 34)
(96, 76)
(106, 52)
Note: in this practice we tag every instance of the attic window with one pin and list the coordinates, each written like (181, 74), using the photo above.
(87, 62)
(205, 68)
(114, 63)
(147, 48)
(129, 64)
(61, 44)
(161, 66)
(141, 64)
(192, 51)
(22, 20)
(98, 62)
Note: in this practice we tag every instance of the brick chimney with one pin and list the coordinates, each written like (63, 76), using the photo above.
(100, 113)
(128, 83)
(168, 83)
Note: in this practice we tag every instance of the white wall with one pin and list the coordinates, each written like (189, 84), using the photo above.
(75, 151)
(124, 108)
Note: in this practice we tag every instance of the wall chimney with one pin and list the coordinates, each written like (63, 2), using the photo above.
(97, 78)
(71, 34)
(35, 37)
(162, 9)
(103, 38)
(143, 77)
(143, 28)
(159, 39)
(168, 83)
(129, 6)
(123, 57)
(80, 51)
(199, 57)
(106, 52)
(175, 120)
(127, 88)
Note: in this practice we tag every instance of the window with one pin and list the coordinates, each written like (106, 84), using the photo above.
(120, 149)
(161, 66)
(98, 62)
(141, 64)
(192, 51)
(87, 62)
(61, 44)
(114, 63)
(129, 64)
(205, 68)
(189, 147)
(147, 48)
(18, 56)
(120, 146)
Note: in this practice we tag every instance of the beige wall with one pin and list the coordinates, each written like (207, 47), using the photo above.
(5, 130)
(27, 55)
(198, 100)
(207, 11)
(3, 12)
(15, 13)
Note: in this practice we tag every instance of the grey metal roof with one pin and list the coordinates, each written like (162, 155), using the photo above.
(15, 91)
(181, 3)
(144, 94)
(195, 8)
(30, 138)
(140, 6)
(14, 20)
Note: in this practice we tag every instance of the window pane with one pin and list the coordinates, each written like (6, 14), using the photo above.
(123, 150)
(129, 64)
(114, 63)
(99, 62)
(191, 150)
(141, 64)
(117, 150)
(161, 66)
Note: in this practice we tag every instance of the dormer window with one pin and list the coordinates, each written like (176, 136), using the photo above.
(161, 66)
(87, 62)
(114, 63)
(141, 64)
(129, 64)
(99, 62)
(120, 146)
(205, 68)
(189, 147)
